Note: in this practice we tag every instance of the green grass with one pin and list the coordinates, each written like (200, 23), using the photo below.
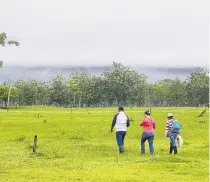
(75, 145)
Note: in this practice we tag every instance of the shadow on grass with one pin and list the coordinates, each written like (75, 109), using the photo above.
(167, 159)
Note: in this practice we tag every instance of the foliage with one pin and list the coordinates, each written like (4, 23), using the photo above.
(32, 92)
(3, 38)
(198, 87)
(120, 85)
(177, 93)
(120, 81)
(4, 41)
(4, 91)
(1, 64)
(58, 91)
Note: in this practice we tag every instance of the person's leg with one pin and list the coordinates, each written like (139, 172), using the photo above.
(171, 148)
(173, 143)
(119, 141)
(175, 147)
(123, 137)
(150, 140)
(175, 150)
(143, 139)
(123, 133)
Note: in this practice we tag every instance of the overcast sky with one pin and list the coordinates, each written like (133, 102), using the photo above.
(96, 32)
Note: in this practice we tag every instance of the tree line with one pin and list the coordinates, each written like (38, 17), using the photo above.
(119, 86)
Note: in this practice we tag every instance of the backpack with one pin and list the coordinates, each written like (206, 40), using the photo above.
(176, 127)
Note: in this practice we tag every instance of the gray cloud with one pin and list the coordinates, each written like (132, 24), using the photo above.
(164, 32)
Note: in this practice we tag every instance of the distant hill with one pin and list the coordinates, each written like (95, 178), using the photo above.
(46, 73)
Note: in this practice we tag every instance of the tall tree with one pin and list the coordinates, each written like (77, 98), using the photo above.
(159, 93)
(120, 81)
(140, 90)
(86, 88)
(59, 91)
(4, 91)
(30, 92)
(198, 87)
(177, 94)
(75, 83)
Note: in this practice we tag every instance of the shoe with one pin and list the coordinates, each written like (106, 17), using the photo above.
(121, 149)
(171, 150)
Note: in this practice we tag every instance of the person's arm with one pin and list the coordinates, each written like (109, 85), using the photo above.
(113, 122)
(154, 124)
(128, 121)
(167, 127)
(142, 123)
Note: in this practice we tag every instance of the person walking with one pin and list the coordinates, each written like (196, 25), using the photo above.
(120, 122)
(172, 130)
(149, 125)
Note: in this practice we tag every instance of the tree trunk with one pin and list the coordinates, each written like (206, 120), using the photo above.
(10, 88)
(74, 100)
(80, 101)
(118, 102)
(5, 103)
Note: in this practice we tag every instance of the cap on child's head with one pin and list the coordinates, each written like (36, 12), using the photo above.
(169, 115)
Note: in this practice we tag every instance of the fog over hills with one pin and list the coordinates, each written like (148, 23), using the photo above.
(45, 73)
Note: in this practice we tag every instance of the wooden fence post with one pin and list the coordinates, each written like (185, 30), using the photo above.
(35, 142)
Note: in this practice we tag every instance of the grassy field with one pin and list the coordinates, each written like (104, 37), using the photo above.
(75, 145)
